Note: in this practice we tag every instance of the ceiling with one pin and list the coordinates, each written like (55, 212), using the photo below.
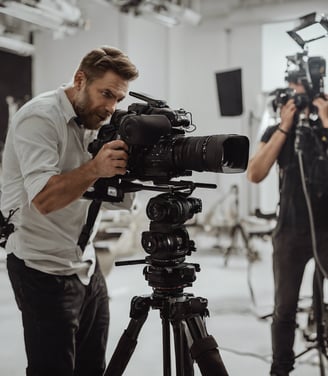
(233, 12)
(257, 11)
(18, 18)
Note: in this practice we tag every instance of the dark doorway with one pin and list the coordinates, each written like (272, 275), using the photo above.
(15, 87)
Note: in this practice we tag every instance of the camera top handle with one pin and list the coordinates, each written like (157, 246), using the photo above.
(151, 101)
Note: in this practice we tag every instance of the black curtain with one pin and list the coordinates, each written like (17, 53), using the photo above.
(15, 82)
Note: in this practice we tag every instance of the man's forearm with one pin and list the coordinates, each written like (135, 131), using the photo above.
(65, 188)
(267, 154)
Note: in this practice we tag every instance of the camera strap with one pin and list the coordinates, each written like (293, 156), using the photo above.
(88, 227)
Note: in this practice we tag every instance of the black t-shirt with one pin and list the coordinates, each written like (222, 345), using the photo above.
(293, 210)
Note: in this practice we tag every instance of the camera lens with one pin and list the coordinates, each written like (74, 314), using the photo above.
(218, 153)
(301, 101)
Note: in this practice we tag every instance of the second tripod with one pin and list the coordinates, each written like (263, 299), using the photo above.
(167, 243)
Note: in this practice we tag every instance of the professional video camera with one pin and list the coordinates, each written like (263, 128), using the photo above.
(159, 150)
(305, 70)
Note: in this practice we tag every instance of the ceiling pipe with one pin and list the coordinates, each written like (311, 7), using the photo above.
(260, 14)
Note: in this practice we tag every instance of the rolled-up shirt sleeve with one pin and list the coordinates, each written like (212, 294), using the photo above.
(36, 143)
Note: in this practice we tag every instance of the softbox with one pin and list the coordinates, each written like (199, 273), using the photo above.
(229, 90)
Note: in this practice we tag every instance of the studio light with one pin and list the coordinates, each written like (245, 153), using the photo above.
(10, 43)
(53, 15)
(166, 12)
(311, 28)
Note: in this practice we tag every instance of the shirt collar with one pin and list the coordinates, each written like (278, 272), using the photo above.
(68, 110)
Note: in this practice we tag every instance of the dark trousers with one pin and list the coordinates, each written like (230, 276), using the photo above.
(291, 252)
(65, 322)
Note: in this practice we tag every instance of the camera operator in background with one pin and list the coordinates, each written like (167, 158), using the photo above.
(58, 286)
(292, 246)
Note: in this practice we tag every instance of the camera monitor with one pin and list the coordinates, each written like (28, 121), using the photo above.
(230, 92)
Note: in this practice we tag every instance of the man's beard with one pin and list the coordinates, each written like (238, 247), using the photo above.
(90, 120)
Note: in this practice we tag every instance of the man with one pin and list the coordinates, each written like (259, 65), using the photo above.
(292, 244)
(59, 287)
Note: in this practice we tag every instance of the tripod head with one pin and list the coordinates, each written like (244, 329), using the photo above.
(167, 242)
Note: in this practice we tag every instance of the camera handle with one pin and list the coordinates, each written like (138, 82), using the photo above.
(88, 227)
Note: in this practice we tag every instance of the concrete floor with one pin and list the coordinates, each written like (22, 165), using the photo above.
(243, 337)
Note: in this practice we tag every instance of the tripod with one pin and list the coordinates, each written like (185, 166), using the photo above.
(320, 342)
(186, 315)
(251, 254)
(168, 242)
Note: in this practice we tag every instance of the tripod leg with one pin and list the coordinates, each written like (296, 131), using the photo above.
(166, 347)
(320, 344)
(320, 322)
(251, 254)
(183, 360)
(139, 311)
(233, 233)
(205, 349)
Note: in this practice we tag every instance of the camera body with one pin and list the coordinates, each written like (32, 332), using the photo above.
(282, 96)
(159, 149)
(305, 70)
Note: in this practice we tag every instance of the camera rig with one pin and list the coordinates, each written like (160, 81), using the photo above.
(303, 69)
(158, 152)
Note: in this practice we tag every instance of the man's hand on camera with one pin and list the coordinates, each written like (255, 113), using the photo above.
(111, 159)
(322, 105)
(287, 113)
(62, 189)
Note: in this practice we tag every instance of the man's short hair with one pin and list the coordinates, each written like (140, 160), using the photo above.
(104, 59)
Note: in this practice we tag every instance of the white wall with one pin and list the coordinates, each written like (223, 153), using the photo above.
(145, 43)
(56, 60)
(196, 54)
